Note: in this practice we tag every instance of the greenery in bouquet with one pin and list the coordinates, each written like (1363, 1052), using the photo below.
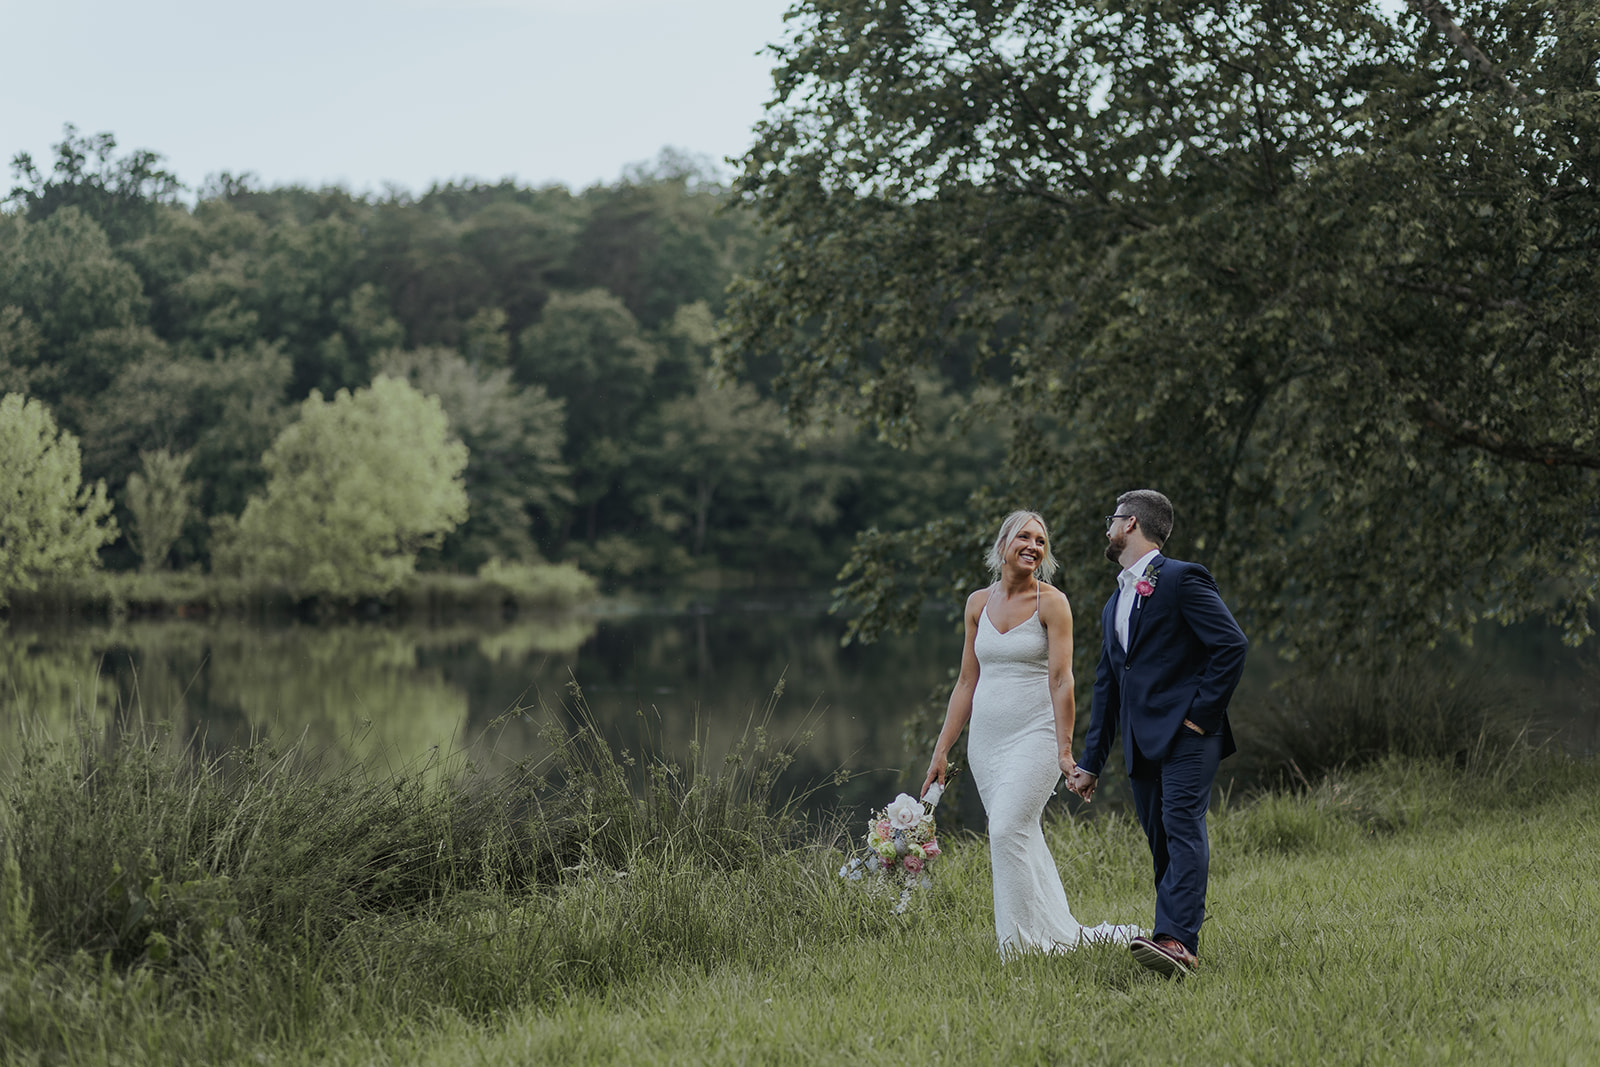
(901, 848)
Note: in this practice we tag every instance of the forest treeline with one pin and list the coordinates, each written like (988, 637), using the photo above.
(566, 336)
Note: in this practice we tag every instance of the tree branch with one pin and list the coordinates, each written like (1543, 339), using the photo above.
(1436, 417)
(1065, 154)
(1435, 12)
(1463, 293)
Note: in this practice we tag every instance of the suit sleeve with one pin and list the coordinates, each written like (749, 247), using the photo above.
(1103, 712)
(1225, 643)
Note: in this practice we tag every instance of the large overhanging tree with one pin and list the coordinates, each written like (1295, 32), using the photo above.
(1322, 271)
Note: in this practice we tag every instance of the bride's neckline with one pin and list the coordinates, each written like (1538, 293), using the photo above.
(1024, 622)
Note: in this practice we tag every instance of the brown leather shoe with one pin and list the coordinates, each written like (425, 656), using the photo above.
(1165, 955)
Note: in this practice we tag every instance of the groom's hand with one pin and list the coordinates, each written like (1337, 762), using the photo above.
(1082, 783)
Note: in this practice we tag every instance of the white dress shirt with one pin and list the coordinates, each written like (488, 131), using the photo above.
(1125, 595)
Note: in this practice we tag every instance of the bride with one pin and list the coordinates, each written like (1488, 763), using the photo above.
(1016, 689)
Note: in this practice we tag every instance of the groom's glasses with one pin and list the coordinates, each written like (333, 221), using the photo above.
(1113, 518)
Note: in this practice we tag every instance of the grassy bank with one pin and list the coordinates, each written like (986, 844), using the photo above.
(162, 906)
(1456, 940)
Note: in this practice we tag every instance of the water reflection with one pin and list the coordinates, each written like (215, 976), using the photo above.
(652, 674)
(655, 674)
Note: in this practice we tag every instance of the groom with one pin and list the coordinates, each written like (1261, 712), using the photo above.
(1170, 657)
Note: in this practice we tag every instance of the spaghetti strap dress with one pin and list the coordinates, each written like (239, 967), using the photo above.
(1011, 748)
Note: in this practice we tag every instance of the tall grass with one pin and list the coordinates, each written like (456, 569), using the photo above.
(1348, 719)
(209, 903)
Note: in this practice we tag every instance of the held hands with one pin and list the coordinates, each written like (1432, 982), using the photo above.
(1082, 783)
(1079, 780)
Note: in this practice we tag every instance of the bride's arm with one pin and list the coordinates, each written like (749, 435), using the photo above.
(959, 710)
(1056, 614)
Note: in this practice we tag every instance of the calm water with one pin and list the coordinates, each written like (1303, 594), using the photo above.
(653, 673)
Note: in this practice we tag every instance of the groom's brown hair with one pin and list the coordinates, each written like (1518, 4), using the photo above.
(1152, 509)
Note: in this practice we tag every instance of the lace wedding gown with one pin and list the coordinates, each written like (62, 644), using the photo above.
(1011, 748)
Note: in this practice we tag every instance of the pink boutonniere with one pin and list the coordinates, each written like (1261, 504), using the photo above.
(1146, 584)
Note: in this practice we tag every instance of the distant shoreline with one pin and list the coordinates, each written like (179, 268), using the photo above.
(504, 592)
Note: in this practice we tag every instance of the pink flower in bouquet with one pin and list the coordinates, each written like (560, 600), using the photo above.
(1143, 587)
(913, 864)
(930, 848)
(884, 829)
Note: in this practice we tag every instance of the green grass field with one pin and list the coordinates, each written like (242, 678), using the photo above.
(1459, 939)
(1410, 912)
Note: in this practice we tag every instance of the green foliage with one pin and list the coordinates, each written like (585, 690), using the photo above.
(122, 196)
(224, 409)
(150, 324)
(19, 350)
(356, 487)
(710, 436)
(161, 501)
(51, 524)
(526, 584)
(660, 239)
(77, 308)
(1321, 273)
(514, 437)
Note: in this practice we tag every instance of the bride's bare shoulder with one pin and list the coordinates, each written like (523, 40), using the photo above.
(977, 600)
(1053, 601)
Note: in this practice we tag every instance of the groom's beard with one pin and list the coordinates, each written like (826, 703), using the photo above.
(1114, 547)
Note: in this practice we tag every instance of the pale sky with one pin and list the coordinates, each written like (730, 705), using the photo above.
(367, 92)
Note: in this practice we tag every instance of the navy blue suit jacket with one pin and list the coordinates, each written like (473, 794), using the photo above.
(1184, 658)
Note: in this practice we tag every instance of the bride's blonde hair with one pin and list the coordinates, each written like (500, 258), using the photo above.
(1047, 567)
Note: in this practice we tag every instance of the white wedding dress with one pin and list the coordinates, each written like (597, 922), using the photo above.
(1011, 747)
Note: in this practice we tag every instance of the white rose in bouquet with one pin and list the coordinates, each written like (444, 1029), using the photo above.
(905, 812)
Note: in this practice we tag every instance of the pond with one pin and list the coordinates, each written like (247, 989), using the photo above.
(656, 674)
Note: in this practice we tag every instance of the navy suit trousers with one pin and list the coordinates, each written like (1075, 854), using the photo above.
(1172, 796)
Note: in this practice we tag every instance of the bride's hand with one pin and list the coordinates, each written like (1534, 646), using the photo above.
(936, 772)
(1069, 766)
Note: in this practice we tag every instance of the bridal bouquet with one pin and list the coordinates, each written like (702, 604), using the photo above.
(901, 847)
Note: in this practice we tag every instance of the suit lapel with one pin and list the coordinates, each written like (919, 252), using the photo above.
(1141, 604)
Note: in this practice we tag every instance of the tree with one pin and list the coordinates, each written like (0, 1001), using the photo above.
(79, 309)
(122, 196)
(19, 350)
(588, 350)
(356, 487)
(657, 241)
(1323, 274)
(709, 437)
(51, 525)
(161, 502)
(513, 436)
(224, 410)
